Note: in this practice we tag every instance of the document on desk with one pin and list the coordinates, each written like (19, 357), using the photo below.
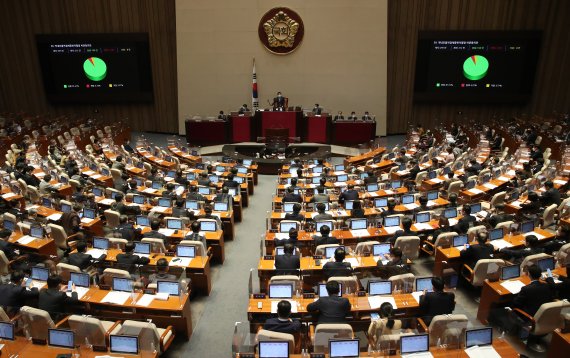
(475, 191)
(86, 220)
(482, 352)
(24, 240)
(145, 300)
(373, 194)
(340, 213)
(180, 261)
(293, 306)
(281, 236)
(503, 178)
(453, 221)
(418, 355)
(359, 232)
(423, 226)
(166, 232)
(411, 206)
(116, 297)
(392, 229)
(389, 192)
(107, 201)
(162, 296)
(436, 180)
(8, 195)
(96, 253)
(490, 186)
(81, 291)
(354, 262)
(158, 209)
(55, 217)
(560, 182)
(149, 191)
(376, 301)
(513, 286)
(417, 295)
(500, 244)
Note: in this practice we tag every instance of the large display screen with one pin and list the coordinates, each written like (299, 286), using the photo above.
(96, 68)
(476, 66)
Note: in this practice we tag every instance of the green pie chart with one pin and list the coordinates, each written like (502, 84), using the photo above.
(475, 67)
(95, 68)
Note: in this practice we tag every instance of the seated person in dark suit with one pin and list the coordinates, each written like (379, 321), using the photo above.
(533, 295)
(181, 179)
(331, 309)
(353, 116)
(337, 267)
(203, 180)
(129, 259)
(322, 215)
(317, 109)
(436, 302)
(208, 215)
(531, 207)
(325, 238)
(348, 194)
(288, 263)
(124, 209)
(563, 287)
(80, 258)
(415, 169)
(6, 246)
(230, 182)
(499, 216)
(517, 255)
(466, 221)
(407, 225)
(473, 169)
(127, 230)
(295, 215)
(193, 194)
(225, 196)
(195, 234)
(283, 323)
(291, 197)
(395, 264)
(551, 195)
(371, 178)
(320, 196)
(391, 208)
(479, 251)
(357, 211)
(53, 298)
(339, 116)
(154, 233)
(562, 238)
(243, 109)
(162, 272)
(179, 211)
(14, 295)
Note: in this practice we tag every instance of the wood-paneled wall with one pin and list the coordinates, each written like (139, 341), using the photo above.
(407, 17)
(21, 87)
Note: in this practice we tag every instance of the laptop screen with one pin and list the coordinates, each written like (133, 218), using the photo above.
(414, 344)
(316, 180)
(221, 206)
(527, 226)
(66, 208)
(280, 290)
(156, 185)
(190, 176)
(170, 287)
(349, 204)
(273, 349)
(192, 205)
(475, 208)
(320, 224)
(546, 263)
(358, 224)
(208, 226)
(329, 251)
(323, 290)
(508, 272)
(220, 168)
(242, 170)
(279, 250)
(61, 338)
(379, 287)
(9, 225)
(204, 190)
(432, 174)
(89, 213)
(100, 243)
(432, 195)
(79, 279)
(450, 213)
(143, 220)
(124, 344)
(391, 221)
(396, 184)
(496, 234)
(138, 199)
(174, 224)
(122, 284)
(213, 178)
(380, 202)
(164, 202)
(285, 226)
(407, 199)
(446, 170)
(372, 187)
(46, 202)
(7, 330)
(460, 240)
(288, 207)
(142, 248)
(422, 217)
(342, 178)
(97, 191)
(424, 283)
(381, 249)
(40, 273)
(114, 194)
(478, 337)
(318, 169)
(345, 348)
(338, 168)
(185, 251)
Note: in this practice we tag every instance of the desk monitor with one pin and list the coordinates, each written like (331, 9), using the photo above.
(7, 330)
(372, 187)
(396, 184)
(164, 202)
(174, 224)
(247, 162)
(213, 178)
(470, 184)
(89, 213)
(451, 280)
(208, 226)
(79, 279)
(285, 226)
(323, 290)
(122, 284)
(156, 185)
(514, 195)
(446, 170)
(424, 283)
(317, 169)
(460, 240)
(363, 176)
(485, 178)
(546, 263)
(349, 204)
(288, 207)
(316, 180)
(61, 338)
(450, 213)
(201, 166)
(358, 224)
(478, 337)
(191, 176)
(142, 248)
(9, 225)
(320, 224)
(105, 172)
(239, 180)
(186, 251)
(339, 168)
(170, 287)
(432, 174)
(233, 191)
(329, 251)
(381, 249)
(138, 199)
(497, 173)
(402, 167)
(204, 190)
(220, 168)
(143, 220)
(422, 217)
(342, 178)
(40, 273)
(46, 202)
(242, 170)
(496, 234)
(508, 272)
(65, 208)
(97, 191)
(391, 221)
(527, 226)
(279, 250)
(408, 199)
(124, 344)
(432, 195)
(101, 243)
(475, 208)
(140, 182)
(414, 344)
(192, 205)
(344, 348)
(379, 287)
(221, 206)
(280, 290)
(37, 232)
(381, 202)
(273, 349)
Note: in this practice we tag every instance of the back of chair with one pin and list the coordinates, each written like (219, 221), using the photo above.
(265, 335)
(472, 231)
(484, 269)
(548, 216)
(147, 333)
(64, 270)
(87, 327)
(365, 248)
(200, 249)
(117, 243)
(532, 260)
(4, 264)
(321, 249)
(563, 255)
(403, 283)
(410, 246)
(504, 225)
(324, 332)
(3, 316)
(59, 236)
(498, 199)
(549, 317)
(349, 283)
(113, 218)
(157, 245)
(117, 273)
(445, 239)
(448, 329)
(36, 322)
(292, 279)
(454, 187)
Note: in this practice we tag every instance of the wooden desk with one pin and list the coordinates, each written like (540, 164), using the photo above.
(184, 156)
(364, 157)
(97, 177)
(559, 345)
(155, 160)
(44, 247)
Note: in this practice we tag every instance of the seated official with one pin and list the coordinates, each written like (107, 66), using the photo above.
(349, 194)
(407, 225)
(466, 221)
(563, 287)
(499, 216)
(480, 251)
(162, 272)
(129, 259)
(80, 258)
(53, 298)
(291, 197)
(230, 182)
(371, 178)
(366, 116)
(45, 187)
(436, 302)
(154, 233)
(562, 238)
(321, 214)
(317, 110)
(181, 179)
(127, 230)
(193, 194)
(320, 196)
(331, 309)
(6, 246)
(195, 234)
(225, 197)
(288, 263)
(473, 168)
(296, 214)
(357, 211)
(179, 211)
(551, 195)
(203, 180)
(124, 209)
(353, 116)
(517, 255)
(170, 192)
(386, 325)
(243, 109)
(14, 295)
(325, 238)
(339, 116)
(444, 227)
(452, 198)
(531, 208)
(283, 323)
(395, 264)
(536, 293)
(208, 215)
(337, 267)
(390, 208)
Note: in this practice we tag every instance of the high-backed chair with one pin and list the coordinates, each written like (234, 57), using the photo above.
(36, 322)
(320, 250)
(64, 270)
(504, 225)
(548, 216)
(365, 248)
(149, 335)
(403, 283)
(548, 318)
(265, 335)
(498, 199)
(563, 255)
(113, 218)
(117, 243)
(447, 329)
(349, 283)
(324, 332)
(532, 260)
(483, 269)
(62, 240)
(95, 331)
(410, 246)
(472, 231)
(156, 245)
(444, 240)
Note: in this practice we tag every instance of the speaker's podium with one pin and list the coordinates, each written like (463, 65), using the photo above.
(290, 120)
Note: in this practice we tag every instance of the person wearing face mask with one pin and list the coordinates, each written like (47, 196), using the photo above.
(279, 102)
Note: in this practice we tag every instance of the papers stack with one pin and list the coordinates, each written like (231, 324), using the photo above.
(107, 201)
(86, 220)
(489, 186)
(116, 297)
(180, 261)
(281, 236)
(482, 352)
(500, 244)
(436, 180)
(411, 206)
(353, 261)
(359, 233)
(81, 291)
(417, 295)
(376, 301)
(159, 209)
(475, 191)
(423, 226)
(54, 217)
(24, 240)
(392, 229)
(145, 300)
(166, 232)
(513, 286)
(96, 253)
